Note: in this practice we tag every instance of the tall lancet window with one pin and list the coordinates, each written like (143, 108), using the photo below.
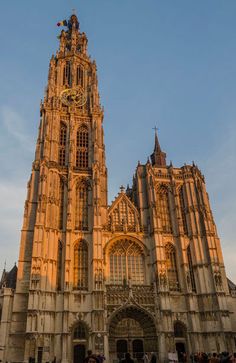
(191, 272)
(67, 74)
(182, 210)
(61, 204)
(164, 210)
(81, 265)
(81, 214)
(80, 76)
(82, 143)
(171, 266)
(59, 266)
(62, 144)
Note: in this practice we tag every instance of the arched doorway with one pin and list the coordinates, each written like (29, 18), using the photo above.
(180, 333)
(132, 330)
(80, 335)
(79, 353)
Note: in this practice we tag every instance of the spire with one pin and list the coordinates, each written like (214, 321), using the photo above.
(158, 157)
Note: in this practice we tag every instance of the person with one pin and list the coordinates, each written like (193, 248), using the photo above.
(101, 357)
(145, 358)
(214, 358)
(89, 353)
(92, 359)
(233, 358)
(153, 358)
(127, 358)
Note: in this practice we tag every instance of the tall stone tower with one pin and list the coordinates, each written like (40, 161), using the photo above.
(144, 274)
(66, 205)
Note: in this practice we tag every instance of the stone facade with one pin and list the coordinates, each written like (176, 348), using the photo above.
(143, 274)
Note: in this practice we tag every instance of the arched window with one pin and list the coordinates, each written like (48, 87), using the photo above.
(81, 211)
(62, 144)
(61, 204)
(179, 330)
(191, 272)
(67, 74)
(164, 210)
(80, 331)
(82, 143)
(182, 209)
(59, 265)
(80, 76)
(171, 266)
(81, 265)
(126, 263)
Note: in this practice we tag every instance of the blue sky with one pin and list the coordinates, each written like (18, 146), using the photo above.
(160, 62)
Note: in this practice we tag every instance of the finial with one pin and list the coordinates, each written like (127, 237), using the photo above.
(73, 11)
(5, 264)
(122, 189)
(171, 163)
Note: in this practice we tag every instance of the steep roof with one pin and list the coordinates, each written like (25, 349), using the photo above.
(9, 278)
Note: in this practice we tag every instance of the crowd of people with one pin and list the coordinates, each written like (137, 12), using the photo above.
(201, 357)
(198, 357)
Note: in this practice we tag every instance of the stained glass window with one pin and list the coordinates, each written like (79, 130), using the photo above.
(182, 208)
(126, 263)
(191, 272)
(82, 143)
(62, 144)
(81, 213)
(81, 265)
(171, 266)
(164, 210)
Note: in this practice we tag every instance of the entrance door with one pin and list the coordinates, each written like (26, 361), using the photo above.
(121, 348)
(79, 353)
(137, 348)
(180, 348)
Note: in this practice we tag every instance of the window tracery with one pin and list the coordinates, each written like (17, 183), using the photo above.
(81, 265)
(179, 330)
(191, 272)
(81, 211)
(123, 217)
(182, 209)
(126, 260)
(61, 204)
(80, 76)
(59, 265)
(67, 74)
(171, 267)
(62, 144)
(82, 143)
(80, 331)
(164, 210)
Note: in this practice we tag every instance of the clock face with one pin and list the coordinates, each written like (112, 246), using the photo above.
(74, 96)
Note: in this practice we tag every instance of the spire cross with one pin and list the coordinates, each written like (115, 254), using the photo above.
(156, 129)
(73, 11)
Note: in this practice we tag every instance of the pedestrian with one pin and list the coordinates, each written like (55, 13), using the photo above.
(153, 358)
(127, 358)
(145, 358)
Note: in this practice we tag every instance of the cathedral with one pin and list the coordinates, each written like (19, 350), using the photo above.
(144, 274)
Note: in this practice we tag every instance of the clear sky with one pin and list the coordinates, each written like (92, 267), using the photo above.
(170, 63)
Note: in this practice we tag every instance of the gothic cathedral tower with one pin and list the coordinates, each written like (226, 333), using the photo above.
(145, 274)
(66, 205)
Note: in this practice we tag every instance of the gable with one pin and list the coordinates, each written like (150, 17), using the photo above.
(123, 215)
